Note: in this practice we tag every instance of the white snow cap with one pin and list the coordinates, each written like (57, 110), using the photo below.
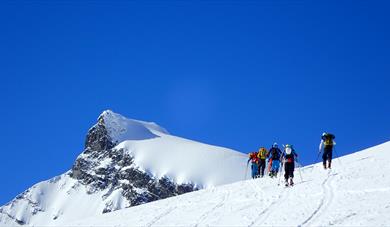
(120, 128)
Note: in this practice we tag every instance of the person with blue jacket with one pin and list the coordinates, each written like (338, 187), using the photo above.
(274, 160)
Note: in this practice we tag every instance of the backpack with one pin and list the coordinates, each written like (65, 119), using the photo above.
(328, 140)
(262, 153)
(290, 153)
(275, 155)
(253, 157)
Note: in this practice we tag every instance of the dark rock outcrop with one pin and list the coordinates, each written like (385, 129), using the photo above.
(98, 138)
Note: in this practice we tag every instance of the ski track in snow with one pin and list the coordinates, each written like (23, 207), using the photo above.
(263, 215)
(328, 195)
(209, 212)
(159, 217)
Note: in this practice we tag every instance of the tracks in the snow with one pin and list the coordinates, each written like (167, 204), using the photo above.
(263, 215)
(328, 194)
(159, 217)
(209, 212)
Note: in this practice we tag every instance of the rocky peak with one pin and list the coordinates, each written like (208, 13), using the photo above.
(103, 167)
(98, 138)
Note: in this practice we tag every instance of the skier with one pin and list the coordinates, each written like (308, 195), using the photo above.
(254, 164)
(274, 160)
(327, 144)
(289, 156)
(262, 155)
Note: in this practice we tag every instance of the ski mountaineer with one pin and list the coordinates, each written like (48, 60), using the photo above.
(262, 155)
(254, 164)
(327, 144)
(289, 156)
(274, 160)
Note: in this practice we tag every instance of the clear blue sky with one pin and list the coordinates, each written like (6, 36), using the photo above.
(239, 74)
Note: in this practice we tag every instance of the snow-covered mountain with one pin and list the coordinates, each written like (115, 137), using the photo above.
(125, 163)
(356, 192)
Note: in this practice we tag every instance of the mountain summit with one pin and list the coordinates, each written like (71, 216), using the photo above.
(125, 163)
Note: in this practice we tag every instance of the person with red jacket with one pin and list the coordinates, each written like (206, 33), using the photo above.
(254, 161)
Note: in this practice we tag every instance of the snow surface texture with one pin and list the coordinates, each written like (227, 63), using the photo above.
(356, 192)
(153, 151)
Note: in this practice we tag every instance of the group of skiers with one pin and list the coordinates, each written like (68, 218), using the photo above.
(277, 159)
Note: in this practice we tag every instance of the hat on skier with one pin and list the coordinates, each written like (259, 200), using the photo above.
(275, 145)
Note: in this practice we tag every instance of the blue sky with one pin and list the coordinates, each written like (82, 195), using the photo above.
(239, 74)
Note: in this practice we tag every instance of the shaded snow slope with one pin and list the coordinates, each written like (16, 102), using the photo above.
(356, 192)
(120, 128)
(186, 161)
(125, 163)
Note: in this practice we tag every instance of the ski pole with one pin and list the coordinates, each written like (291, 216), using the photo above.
(246, 170)
(315, 161)
(337, 156)
(299, 169)
(317, 157)
(280, 171)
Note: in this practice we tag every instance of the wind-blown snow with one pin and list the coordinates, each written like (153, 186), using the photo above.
(356, 192)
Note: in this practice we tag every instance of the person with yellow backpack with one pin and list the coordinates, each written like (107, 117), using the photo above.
(262, 155)
(327, 144)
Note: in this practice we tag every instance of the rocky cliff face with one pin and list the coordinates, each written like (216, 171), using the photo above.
(101, 167)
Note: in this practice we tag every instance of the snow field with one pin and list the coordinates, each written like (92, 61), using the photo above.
(356, 192)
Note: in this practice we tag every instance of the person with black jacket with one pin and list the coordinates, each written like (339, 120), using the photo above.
(289, 156)
(327, 144)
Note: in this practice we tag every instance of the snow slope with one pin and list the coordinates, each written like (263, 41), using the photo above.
(356, 192)
(182, 160)
(154, 152)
